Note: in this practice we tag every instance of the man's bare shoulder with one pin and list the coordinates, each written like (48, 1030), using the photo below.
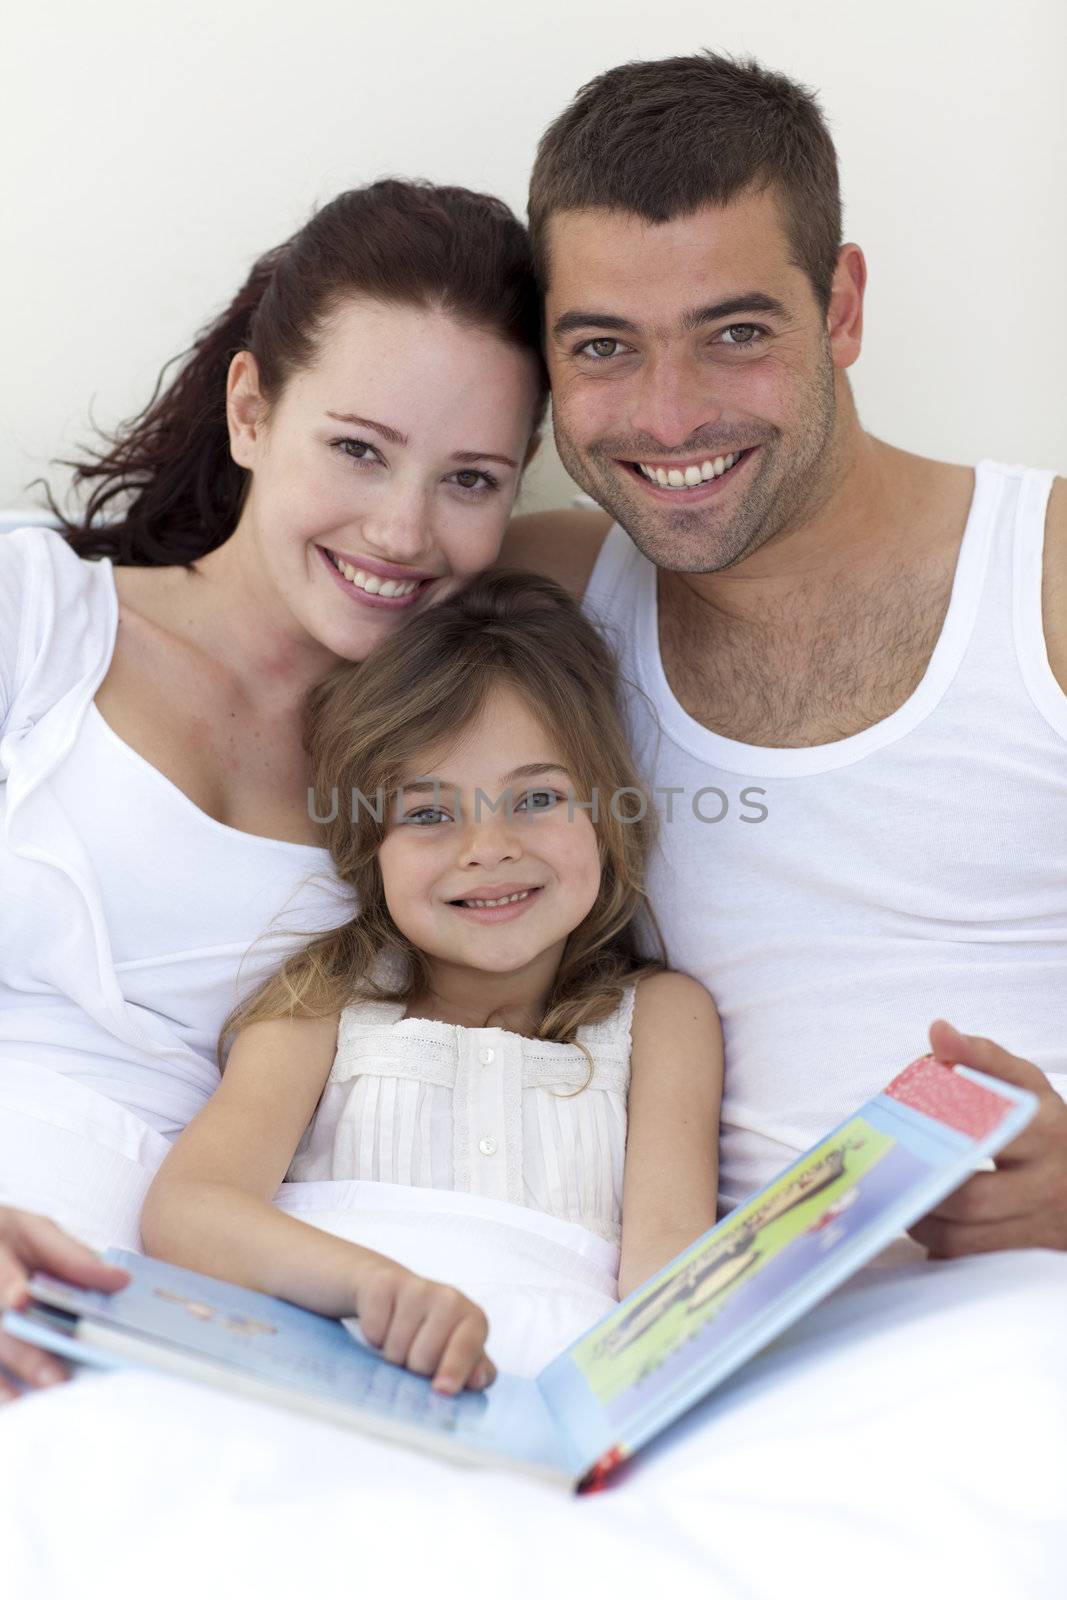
(1054, 589)
(558, 544)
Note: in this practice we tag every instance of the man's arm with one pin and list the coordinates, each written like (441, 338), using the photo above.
(1023, 1204)
(558, 544)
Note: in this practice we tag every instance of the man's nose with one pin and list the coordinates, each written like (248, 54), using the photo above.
(673, 401)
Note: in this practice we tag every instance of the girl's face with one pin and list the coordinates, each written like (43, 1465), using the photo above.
(384, 476)
(461, 842)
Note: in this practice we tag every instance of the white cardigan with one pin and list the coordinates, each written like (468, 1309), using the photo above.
(62, 1004)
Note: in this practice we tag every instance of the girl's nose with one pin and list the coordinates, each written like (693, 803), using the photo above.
(490, 836)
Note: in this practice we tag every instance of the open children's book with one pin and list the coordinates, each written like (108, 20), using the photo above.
(665, 1347)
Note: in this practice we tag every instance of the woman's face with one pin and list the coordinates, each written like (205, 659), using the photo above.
(391, 464)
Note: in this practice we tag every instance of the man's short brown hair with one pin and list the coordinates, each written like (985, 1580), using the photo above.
(663, 138)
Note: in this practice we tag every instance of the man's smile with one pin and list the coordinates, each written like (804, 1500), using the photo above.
(696, 479)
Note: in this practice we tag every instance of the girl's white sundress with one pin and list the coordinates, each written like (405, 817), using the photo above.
(478, 1111)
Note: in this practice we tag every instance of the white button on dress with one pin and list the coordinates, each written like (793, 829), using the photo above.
(479, 1110)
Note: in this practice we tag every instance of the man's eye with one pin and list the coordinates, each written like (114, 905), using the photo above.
(600, 349)
(742, 333)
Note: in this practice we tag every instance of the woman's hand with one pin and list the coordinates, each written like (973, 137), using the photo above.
(28, 1244)
(425, 1326)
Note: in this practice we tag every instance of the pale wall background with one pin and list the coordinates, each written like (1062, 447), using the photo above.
(152, 150)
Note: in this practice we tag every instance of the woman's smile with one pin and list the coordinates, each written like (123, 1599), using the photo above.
(360, 586)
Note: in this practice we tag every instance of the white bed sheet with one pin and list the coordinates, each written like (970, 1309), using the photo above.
(907, 1438)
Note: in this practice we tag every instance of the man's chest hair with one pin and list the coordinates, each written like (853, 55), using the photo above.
(823, 667)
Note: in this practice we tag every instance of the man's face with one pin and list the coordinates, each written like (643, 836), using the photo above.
(676, 349)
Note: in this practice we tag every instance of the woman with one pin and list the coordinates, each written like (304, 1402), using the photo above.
(342, 448)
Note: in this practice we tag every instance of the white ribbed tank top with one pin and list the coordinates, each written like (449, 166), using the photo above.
(851, 892)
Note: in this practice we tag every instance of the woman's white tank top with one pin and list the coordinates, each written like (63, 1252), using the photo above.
(837, 898)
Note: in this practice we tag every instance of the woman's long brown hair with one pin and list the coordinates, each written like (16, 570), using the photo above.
(166, 490)
(369, 724)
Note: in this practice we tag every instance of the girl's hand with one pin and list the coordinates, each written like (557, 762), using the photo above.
(425, 1326)
(29, 1243)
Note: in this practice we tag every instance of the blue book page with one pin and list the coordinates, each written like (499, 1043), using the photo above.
(672, 1340)
(297, 1350)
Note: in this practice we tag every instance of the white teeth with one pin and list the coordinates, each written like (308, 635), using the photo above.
(505, 901)
(390, 588)
(689, 477)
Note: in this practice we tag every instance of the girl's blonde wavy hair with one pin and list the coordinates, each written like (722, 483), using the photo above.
(367, 725)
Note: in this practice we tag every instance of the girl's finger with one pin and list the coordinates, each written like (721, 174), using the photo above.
(464, 1350)
(431, 1340)
(409, 1314)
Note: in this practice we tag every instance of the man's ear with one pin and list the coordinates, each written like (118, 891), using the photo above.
(844, 316)
(246, 409)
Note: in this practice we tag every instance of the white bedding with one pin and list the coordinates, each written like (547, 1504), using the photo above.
(909, 1437)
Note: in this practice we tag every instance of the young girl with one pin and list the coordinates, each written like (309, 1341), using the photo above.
(486, 1022)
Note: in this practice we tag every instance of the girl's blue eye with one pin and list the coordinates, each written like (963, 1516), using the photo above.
(548, 797)
(425, 816)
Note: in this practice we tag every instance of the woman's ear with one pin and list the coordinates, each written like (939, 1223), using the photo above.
(245, 408)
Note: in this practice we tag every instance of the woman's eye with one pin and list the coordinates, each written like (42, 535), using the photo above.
(742, 333)
(600, 349)
(473, 481)
(356, 449)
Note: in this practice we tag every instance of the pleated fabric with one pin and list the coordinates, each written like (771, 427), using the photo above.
(433, 1105)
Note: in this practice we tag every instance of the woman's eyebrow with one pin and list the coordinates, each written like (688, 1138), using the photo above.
(394, 436)
(482, 455)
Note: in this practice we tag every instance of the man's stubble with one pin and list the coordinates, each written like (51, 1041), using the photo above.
(793, 474)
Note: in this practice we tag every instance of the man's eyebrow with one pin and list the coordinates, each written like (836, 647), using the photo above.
(533, 769)
(392, 434)
(737, 304)
(753, 300)
(570, 321)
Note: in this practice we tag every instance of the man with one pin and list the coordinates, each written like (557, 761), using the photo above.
(854, 730)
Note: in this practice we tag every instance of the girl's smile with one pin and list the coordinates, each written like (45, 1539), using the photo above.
(481, 905)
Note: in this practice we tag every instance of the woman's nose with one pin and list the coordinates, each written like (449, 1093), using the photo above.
(399, 528)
